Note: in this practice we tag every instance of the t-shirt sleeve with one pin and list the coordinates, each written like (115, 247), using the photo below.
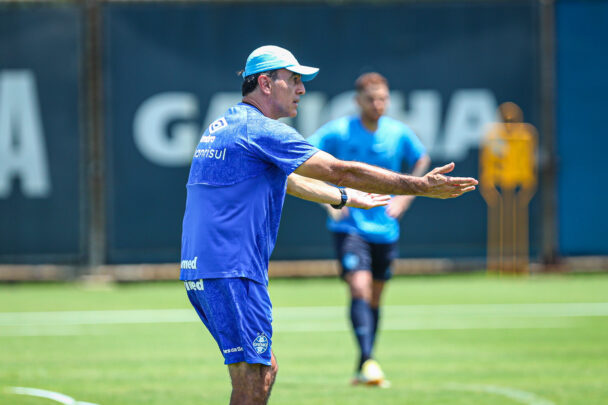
(324, 138)
(281, 145)
(412, 148)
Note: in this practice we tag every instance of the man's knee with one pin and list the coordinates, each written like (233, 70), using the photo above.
(360, 283)
(251, 383)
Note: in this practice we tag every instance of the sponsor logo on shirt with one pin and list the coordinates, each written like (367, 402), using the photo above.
(210, 153)
(194, 285)
(233, 350)
(189, 264)
(217, 125)
(260, 343)
(207, 138)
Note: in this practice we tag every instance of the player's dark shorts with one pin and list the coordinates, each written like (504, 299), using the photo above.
(355, 253)
(238, 313)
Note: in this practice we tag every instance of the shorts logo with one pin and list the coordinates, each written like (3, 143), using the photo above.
(350, 261)
(260, 343)
(217, 125)
(195, 285)
(233, 350)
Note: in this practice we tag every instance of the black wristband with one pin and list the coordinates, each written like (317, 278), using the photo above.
(343, 197)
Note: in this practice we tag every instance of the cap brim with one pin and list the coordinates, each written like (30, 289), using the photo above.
(307, 72)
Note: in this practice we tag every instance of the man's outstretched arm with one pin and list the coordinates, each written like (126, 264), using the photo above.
(321, 192)
(373, 179)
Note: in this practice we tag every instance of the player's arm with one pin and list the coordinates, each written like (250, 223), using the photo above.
(321, 192)
(373, 179)
(401, 203)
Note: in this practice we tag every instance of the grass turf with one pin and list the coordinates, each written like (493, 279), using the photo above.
(458, 339)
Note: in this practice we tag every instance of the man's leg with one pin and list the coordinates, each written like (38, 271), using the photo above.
(252, 383)
(360, 286)
(377, 288)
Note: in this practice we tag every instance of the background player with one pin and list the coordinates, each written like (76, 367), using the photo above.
(366, 241)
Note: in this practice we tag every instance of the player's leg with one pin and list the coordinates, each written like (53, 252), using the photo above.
(252, 383)
(354, 256)
(237, 312)
(377, 289)
(359, 284)
(383, 255)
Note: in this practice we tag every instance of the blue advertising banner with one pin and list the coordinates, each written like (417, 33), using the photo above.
(40, 143)
(170, 70)
(582, 63)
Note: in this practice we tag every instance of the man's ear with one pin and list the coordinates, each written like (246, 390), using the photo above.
(265, 84)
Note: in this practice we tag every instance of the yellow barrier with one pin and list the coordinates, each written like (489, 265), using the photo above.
(507, 183)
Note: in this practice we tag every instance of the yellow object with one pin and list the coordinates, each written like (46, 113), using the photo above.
(507, 181)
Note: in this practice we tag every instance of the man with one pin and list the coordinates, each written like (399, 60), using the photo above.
(244, 163)
(366, 240)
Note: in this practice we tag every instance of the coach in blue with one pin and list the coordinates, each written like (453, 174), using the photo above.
(244, 164)
(366, 240)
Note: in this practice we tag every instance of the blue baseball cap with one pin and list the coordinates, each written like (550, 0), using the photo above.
(272, 57)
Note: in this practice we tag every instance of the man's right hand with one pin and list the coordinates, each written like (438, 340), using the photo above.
(440, 186)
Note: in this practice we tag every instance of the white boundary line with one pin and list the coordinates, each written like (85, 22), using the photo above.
(523, 397)
(319, 319)
(296, 313)
(54, 396)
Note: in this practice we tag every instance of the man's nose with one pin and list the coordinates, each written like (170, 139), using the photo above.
(301, 88)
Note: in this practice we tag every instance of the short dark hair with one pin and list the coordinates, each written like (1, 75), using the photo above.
(251, 82)
(368, 79)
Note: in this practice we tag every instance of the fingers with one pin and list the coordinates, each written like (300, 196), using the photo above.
(461, 192)
(444, 169)
(463, 181)
(380, 197)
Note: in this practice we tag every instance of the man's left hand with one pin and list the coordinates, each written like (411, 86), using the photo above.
(360, 199)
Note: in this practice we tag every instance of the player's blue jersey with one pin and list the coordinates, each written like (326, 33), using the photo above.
(393, 142)
(235, 194)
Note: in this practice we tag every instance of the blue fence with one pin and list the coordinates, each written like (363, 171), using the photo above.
(41, 172)
(169, 69)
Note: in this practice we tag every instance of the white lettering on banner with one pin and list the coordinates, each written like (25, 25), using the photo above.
(23, 152)
(161, 132)
(424, 115)
(467, 116)
(467, 113)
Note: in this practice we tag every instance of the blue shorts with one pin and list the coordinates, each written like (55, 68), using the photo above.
(238, 313)
(355, 253)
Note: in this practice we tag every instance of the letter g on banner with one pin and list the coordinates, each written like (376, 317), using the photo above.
(159, 130)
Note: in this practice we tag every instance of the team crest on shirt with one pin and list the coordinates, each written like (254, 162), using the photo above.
(260, 343)
(217, 125)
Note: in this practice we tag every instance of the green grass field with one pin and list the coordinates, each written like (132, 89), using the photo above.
(459, 339)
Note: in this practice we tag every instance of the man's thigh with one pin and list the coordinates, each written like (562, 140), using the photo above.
(382, 257)
(238, 313)
(354, 253)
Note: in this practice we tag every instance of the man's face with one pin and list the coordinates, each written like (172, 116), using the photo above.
(373, 101)
(286, 91)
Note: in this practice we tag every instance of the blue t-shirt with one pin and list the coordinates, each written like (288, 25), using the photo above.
(236, 189)
(393, 142)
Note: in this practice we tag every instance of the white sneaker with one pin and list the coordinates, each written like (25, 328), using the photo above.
(371, 374)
